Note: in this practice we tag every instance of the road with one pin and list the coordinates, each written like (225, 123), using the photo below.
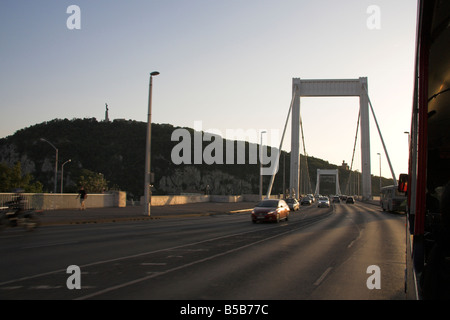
(319, 254)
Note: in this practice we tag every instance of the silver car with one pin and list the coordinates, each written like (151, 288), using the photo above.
(293, 204)
(324, 202)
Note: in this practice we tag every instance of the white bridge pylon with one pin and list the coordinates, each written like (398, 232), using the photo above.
(327, 88)
(329, 172)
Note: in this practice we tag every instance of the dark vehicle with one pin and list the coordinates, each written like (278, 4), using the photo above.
(306, 201)
(336, 199)
(271, 211)
(293, 204)
(350, 200)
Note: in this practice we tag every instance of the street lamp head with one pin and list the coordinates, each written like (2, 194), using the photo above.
(154, 73)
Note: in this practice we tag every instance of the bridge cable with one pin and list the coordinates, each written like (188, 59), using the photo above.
(381, 137)
(306, 157)
(269, 189)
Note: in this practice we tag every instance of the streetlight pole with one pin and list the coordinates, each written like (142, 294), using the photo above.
(260, 166)
(56, 163)
(147, 189)
(62, 174)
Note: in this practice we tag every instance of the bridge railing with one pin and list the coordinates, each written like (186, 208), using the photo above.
(53, 201)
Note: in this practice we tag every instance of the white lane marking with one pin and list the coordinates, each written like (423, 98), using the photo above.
(45, 287)
(319, 281)
(354, 240)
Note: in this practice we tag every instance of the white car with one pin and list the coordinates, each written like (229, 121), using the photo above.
(293, 204)
(324, 202)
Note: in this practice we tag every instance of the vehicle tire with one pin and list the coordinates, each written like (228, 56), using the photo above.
(287, 217)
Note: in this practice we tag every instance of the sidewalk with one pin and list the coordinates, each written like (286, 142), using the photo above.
(136, 213)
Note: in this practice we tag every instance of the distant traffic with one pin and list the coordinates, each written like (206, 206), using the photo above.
(275, 210)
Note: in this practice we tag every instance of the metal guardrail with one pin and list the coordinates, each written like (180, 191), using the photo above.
(7, 197)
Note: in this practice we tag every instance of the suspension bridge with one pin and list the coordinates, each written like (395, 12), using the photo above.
(330, 88)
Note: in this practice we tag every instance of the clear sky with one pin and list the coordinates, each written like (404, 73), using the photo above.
(226, 63)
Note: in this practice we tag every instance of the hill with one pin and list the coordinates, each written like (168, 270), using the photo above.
(116, 151)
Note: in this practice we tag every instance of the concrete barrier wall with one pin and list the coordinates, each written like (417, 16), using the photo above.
(175, 199)
(53, 201)
(255, 198)
(183, 199)
(216, 198)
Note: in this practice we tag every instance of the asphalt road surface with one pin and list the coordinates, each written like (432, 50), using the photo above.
(320, 254)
